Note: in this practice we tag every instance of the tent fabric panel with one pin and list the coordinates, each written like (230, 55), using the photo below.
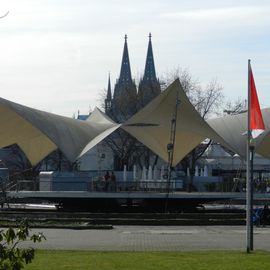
(232, 129)
(185, 143)
(263, 141)
(98, 139)
(15, 130)
(97, 116)
(69, 135)
(191, 128)
(37, 149)
(264, 147)
(157, 139)
(152, 137)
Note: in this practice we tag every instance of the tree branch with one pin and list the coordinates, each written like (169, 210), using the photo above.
(3, 16)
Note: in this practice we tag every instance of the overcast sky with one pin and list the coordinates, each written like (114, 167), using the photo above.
(56, 54)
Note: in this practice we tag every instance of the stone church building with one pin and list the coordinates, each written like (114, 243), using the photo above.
(127, 98)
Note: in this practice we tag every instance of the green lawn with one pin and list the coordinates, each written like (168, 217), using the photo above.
(205, 260)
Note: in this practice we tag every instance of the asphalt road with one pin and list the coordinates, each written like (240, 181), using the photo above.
(154, 238)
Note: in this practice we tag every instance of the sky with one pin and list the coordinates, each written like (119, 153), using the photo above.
(56, 55)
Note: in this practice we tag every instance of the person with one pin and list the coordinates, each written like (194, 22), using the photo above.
(113, 181)
(265, 215)
(257, 216)
(107, 179)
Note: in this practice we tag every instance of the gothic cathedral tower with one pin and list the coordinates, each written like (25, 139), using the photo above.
(125, 100)
(149, 86)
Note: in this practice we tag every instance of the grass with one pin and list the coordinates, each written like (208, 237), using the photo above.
(201, 260)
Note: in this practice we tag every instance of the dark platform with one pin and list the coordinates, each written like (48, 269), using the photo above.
(131, 201)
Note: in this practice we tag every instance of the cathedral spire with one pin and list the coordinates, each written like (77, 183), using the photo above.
(149, 71)
(125, 91)
(108, 100)
(149, 86)
(109, 90)
(125, 72)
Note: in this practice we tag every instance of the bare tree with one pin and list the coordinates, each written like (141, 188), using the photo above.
(188, 83)
(3, 16)
(207, 101)
(126, 149)
(101, 98)
(235, 107)
(57, 161)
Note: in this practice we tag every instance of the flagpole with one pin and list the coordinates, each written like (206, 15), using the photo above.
(251, 192)
(248, 184)
(255, 126)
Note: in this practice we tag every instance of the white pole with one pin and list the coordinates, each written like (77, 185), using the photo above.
(188, 172)
(196, 170)
(248, 184)
(205, 171)
(155, 176)
(134, 172)
(144, 174)
(161, 172)
(150, 173)
(125, 173)
(201, 172)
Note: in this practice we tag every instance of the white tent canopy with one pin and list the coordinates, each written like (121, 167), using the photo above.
(38, 133)
(233, 128)
(103, 124)
(152, 124)
(216, 151)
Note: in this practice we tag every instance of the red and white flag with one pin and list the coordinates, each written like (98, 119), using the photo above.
(256, 120)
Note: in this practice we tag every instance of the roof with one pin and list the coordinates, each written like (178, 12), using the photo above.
(233, 129)
(152, 124)
(216, 150)
(38, 133)
(82, 116)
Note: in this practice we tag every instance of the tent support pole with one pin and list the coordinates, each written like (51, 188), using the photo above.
(170, 149)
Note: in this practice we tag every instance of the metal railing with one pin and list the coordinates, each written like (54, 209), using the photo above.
(100, 185)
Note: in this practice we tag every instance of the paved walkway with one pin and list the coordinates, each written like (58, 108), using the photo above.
(154, 238)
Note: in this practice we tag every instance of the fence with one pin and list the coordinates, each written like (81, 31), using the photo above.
(98, 184)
